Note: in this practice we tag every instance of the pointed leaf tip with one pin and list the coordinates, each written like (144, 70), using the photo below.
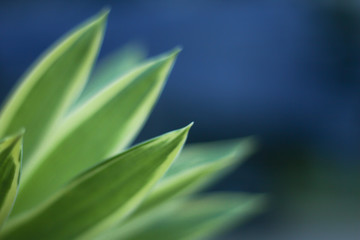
(103, 14)
(100, 19)
(189, 126)
(186, 129)
(105, 11)
(176, 51)
(15, 138)
(170, 55)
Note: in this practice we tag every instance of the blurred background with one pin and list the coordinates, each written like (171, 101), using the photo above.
(287, 71)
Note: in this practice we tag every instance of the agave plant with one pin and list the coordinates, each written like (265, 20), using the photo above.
(65, 155)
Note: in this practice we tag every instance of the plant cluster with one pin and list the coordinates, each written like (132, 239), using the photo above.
(75, 176)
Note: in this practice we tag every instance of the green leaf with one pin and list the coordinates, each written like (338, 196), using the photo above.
(102, 196)
(192, 219)
(96, 130)
(52, 84)
(198, 166)
(112, 68)
(10, 168)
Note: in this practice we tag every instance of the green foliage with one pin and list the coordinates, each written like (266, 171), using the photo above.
(199, 218)
(10, 167)
(79, 178)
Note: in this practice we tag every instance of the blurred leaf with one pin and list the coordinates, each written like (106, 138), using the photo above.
(102, 196)
(10, 167)
(52, 84)
(197, 166)
(96, 130)
(112, 68)
(192, 219)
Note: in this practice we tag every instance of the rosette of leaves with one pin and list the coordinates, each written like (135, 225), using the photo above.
(66, 168)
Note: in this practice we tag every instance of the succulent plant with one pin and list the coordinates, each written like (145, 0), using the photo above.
(66, 168)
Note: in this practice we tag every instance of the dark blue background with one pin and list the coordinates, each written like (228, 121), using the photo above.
(287, 71)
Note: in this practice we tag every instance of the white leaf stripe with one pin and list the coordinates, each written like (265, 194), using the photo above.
(10, 167)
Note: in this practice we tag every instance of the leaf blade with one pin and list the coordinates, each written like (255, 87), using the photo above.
(10, 170)
(82, 214)
(50, 86)
(198, 166)
(120, 110)
(197, 218)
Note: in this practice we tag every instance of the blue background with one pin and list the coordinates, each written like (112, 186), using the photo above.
(286, 71)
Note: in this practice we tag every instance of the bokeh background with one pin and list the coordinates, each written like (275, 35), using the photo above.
(287, 71)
